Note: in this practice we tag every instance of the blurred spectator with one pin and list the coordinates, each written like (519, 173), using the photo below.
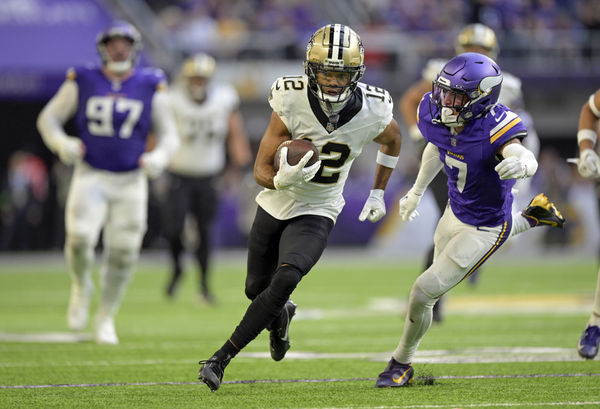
(27, 192)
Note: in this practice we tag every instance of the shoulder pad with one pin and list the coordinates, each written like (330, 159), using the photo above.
(505, 121)
(71, 74)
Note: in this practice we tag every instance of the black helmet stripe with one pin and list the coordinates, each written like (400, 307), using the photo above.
(341, 43)
(331, 30)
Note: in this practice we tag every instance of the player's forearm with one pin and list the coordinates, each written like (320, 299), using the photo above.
(430, 167)
(588, 122)
(164, 125)
(50, 122)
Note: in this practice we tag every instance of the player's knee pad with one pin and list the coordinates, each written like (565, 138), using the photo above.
(420, 295)
(284, 281)
(78, 242)
(121, 259)
(440, 277)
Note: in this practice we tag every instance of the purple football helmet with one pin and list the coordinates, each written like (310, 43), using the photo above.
(119, 29)
(466, 88)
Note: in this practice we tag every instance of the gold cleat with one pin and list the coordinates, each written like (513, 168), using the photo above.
(540, 211)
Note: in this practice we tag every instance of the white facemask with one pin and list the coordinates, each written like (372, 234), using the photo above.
(119, 67)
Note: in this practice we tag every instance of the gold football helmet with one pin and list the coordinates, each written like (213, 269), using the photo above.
(334, 47)
(479, 38)
(196, 73)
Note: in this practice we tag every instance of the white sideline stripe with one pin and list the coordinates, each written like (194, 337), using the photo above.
(61, 337)
(449, 356)
(441, 356)
(265, 381)
(475, 405)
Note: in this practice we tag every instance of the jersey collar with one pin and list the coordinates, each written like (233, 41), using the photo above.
(352, 108)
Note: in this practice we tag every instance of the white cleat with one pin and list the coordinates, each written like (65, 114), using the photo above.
(79, 305)
(104, 331)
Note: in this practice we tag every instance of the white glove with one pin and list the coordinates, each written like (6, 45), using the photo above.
(374, 208)
(408, 206)
(153, 163)
(589, 164)
(415, 134)
(71, 150)
(511, 168)
(288, 175)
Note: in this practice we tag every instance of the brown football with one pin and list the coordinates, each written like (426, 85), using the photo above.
(297, 148)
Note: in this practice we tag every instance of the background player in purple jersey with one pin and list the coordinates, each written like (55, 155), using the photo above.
(589, 167)
(478, 142)
(114, 107)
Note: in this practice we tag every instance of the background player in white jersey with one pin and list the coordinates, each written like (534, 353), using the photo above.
(481, 39)
(210, 129)
(299, 205)
(478, 142)
(114, 106)
(589, 167)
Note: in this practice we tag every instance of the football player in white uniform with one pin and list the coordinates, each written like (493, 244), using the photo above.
(210, 128)
(299, 205)
(481, 39)
(589, 167)
(114, 107)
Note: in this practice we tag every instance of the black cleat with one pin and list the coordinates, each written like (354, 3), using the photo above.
(541, 212)
(211, 372)
(280, 337)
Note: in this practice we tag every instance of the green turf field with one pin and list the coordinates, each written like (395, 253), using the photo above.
(508, 342)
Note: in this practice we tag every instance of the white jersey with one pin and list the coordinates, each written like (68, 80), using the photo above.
(202, 130)
(362, 119)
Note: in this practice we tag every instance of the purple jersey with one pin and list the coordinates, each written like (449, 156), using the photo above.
(113, 118)
(477, 194)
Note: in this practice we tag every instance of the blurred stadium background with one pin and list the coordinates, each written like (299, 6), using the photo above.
(552, 45)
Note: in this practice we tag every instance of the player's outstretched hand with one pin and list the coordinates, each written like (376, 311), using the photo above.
(589, 164)
(408, 206)
(71, 150)
(289, 175)
(153, 163)
(374, 208)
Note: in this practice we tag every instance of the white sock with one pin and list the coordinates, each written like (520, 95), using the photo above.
(115, 274)
(519, 224)
(418, 321)
(79, 258)
(595, 317)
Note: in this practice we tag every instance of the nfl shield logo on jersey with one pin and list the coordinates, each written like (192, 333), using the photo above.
(453, 141)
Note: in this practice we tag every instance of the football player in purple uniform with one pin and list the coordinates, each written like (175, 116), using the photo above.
(114, 107)
(589, 167)
(478, 142)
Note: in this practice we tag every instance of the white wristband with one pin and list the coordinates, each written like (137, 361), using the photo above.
(386, 160)
(587, 134)
(593, 106)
